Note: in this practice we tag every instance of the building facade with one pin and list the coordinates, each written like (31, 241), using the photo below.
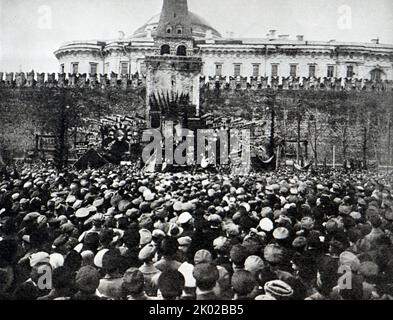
(274, 56)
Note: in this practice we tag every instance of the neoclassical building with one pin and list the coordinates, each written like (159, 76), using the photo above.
(274, 56)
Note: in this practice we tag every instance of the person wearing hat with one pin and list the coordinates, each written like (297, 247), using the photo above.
(206, 276)
(145, 237)
(254, 264)
(184, 246)
(277, 290)
(97, 220)
(222, 249)
(186, 222)
(87, 280)
(299, 244)
(175, 231)
(133, 285)
(202, 256)
(149, 271)
(276, 256)
(282, 237)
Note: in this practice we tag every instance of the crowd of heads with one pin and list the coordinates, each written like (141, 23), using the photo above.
(117, 233)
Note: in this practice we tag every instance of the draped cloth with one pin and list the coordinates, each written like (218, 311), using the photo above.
(91, 159)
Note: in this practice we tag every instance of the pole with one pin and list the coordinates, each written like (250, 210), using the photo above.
(389, 162)
(285, 132)
(315, 139)
(266, 52)
(298, 137)
(278, 157)
(334, 157)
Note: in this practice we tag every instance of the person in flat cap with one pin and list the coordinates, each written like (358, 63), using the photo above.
(222, 248)
(149, 271)
(202, 256)
(254, 264)
(299, 244)
(186, 222)
(277, 290)
(282, 237)
(184, 246)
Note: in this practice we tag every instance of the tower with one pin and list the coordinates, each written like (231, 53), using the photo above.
(174, 31)
(174, 69)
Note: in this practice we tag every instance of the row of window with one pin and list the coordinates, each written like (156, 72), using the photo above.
(293, 70)
(124, 68)
(179, 30)
(180, 51)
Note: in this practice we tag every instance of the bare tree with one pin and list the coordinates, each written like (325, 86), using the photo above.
(340, 128)
(317, 127)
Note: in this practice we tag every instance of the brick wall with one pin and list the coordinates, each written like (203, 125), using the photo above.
(25, 111)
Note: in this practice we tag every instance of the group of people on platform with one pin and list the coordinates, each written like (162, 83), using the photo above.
(120, 234)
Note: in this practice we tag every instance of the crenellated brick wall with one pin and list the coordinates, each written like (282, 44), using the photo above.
(31, 79)
(29, 104)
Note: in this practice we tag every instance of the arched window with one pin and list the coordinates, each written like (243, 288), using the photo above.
(168, 30)
(165, 49)
(377, 75)
(181, 50)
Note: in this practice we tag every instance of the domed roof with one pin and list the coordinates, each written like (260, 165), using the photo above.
(199, 27)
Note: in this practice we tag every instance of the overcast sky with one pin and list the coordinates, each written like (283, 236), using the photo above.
(31, 30)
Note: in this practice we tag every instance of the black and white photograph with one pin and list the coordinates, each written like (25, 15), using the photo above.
(212, 151)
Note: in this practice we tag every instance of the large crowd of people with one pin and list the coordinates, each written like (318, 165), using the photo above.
(117, 233)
